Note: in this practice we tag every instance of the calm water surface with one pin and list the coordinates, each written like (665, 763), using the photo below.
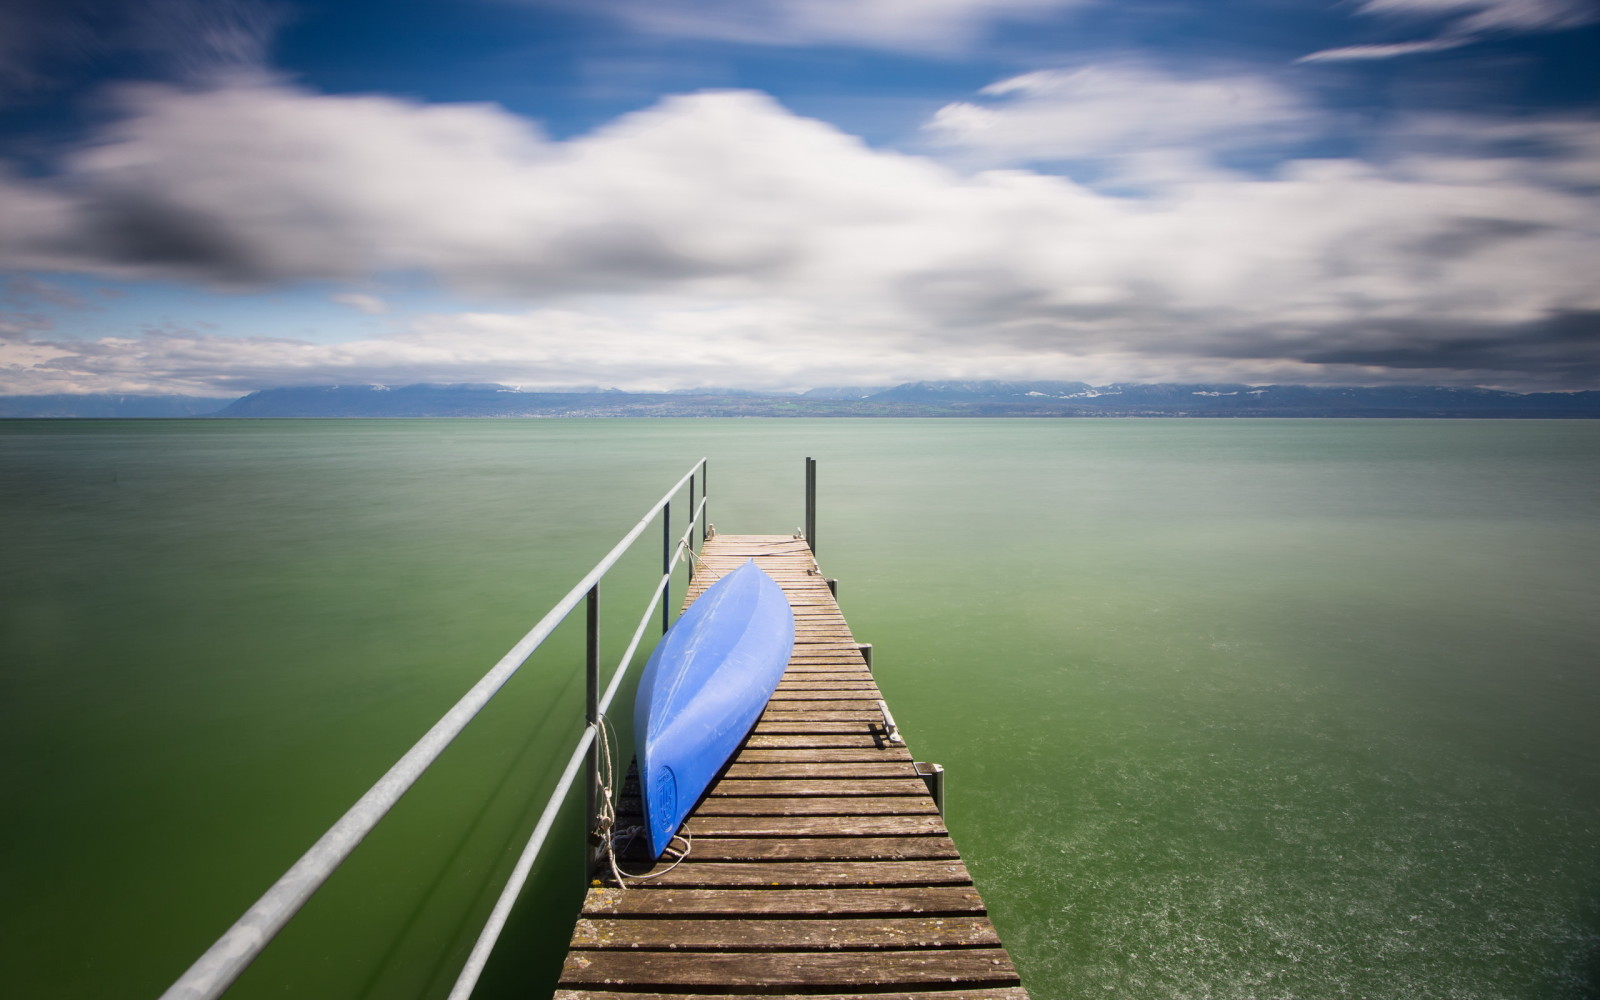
(1231, 709)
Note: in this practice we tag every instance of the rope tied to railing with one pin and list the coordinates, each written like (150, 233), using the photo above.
(700, 565)
(606, 817)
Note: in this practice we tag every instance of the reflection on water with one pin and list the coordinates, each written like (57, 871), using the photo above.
(1229, 708)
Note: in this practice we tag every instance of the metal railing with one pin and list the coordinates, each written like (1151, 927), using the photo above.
(232, 953)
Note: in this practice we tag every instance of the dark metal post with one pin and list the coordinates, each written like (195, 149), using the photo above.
(693, 508)
(666, 567)
(591, 716)
(811, 504)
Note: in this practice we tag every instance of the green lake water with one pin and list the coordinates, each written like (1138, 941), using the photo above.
(1230, 709)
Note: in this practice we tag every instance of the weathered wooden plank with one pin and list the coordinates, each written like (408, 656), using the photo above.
(851, 647)
(823, 755)
(824, 670)
(824, 849)
(845, 652)
(818, 805)
(831, 769)
(829, 934)
(962, 993)
(798, 726)
(790, 787)
(861, 902)
(790, 970)
(853, 736)
(792, 700)
(822, 684)
(834, 665)
(794, 874)
(815, 826)
(823, 715)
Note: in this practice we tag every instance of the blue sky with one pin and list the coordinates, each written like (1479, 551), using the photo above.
(216, 197)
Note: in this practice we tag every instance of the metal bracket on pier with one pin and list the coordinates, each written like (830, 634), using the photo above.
(932, 775)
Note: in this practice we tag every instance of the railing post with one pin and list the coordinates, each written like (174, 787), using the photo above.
(811, 504)
(666, 567)
(705, 491)
(693, 508)
(591, 717)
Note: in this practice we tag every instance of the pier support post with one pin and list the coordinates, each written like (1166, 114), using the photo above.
(932, 775)
(811, 504)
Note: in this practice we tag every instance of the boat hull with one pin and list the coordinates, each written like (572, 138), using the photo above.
(703, 689)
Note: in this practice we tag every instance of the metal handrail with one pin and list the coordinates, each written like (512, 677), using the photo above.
(227, 958)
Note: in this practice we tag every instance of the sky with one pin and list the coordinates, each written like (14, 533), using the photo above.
(211, 197)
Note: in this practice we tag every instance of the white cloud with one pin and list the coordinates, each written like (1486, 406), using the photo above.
(1119, 110)
(719, 239)
(1390, 51)
(907, 25)
(372, 305)
(1491, 15)
(1464, 22)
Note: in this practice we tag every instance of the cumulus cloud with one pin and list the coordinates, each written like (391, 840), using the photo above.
(719, 239)
(906, 25)
(1463, 22)
(1118, 110)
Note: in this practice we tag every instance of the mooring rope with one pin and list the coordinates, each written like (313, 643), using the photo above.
(700, 565)
(606, 817)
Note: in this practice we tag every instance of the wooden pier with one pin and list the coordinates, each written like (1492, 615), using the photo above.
(820, 866)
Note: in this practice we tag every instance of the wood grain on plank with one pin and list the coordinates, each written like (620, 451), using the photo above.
(824, 849)
(831, 769)
(818, 805)
(790, 874)
(868, 902)
(909, 785)
(824, 755)
(816, 826)
(812, 934)
(791, 970)
(961, 993)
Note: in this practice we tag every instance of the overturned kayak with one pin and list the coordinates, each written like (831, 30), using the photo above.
(703, 688)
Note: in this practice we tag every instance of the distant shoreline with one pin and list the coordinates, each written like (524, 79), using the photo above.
(1041, 400)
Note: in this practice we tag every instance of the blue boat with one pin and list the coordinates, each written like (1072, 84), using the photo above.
(704, 687)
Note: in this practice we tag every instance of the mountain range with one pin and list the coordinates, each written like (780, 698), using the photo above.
(911, 399)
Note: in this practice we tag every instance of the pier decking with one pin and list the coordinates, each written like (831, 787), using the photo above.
(820, 865)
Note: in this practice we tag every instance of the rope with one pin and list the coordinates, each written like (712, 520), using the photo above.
(606, 818)
(700, 565)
